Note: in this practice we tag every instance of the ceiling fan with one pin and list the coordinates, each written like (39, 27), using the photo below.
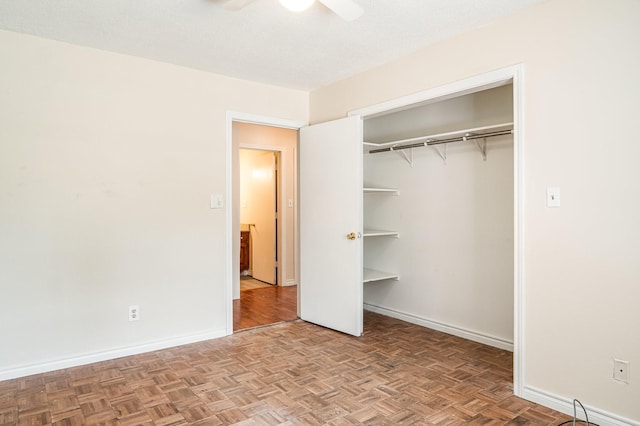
(346, 9)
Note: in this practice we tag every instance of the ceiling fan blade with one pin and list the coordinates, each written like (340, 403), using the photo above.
(346, 9)
(236, 4)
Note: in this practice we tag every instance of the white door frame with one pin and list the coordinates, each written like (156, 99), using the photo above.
(229, 220)
(514, 74)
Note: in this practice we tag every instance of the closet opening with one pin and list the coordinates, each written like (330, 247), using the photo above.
(454, 154)
(452, 163)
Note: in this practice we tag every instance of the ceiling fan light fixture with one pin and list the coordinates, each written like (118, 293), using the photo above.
(297, 5)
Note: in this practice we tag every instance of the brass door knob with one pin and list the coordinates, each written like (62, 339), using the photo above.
(351, 236)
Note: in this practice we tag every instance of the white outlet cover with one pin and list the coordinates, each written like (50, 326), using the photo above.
(134, 313)
(621, 370)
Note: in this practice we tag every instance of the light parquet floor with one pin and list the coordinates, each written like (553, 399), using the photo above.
(292, 373)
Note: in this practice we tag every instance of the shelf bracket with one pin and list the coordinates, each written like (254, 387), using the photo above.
(482, 148)
(443, 153)
(408, 158)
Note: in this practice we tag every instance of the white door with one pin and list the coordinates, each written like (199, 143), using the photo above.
(330, 209)
(263, 216)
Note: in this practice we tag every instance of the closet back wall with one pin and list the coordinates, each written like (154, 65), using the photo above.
(455, 251)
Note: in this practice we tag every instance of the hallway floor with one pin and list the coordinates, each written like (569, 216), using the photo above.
(265, 305)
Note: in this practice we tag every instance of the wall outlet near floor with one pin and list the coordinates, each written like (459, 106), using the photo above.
(134, 313)
(621, 370)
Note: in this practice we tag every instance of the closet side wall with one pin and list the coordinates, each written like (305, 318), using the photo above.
(455, 251)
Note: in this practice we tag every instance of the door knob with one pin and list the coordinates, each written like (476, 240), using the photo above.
(351, 236)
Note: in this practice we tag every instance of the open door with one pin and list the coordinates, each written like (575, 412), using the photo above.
(330, 210)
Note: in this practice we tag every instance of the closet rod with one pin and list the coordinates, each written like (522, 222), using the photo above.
(430, 142)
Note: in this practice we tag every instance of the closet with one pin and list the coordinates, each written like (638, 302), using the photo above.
(410, 213)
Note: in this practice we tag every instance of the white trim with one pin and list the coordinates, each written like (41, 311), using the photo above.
(485, 339)
(288, 283)
(296, 225)
(267, 121)
(473, 84)
(518, 231)
(232, 116)
(228, 224)
(455, 89)
(564, 405)
(89, 358)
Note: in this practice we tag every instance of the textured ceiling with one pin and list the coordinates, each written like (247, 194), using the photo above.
(262, 42)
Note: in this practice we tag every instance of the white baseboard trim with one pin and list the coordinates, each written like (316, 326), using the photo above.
(564, 405)
(445, 328)
(286, 283)
(89, 358)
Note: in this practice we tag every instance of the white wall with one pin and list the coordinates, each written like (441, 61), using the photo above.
(285, 141)
(581, 99)
(455, 251)
(106, 167)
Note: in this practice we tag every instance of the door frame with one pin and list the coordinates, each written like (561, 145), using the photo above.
(515, 75)
(232, 225)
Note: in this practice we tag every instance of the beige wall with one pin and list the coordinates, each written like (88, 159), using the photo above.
(107, 163)
(581, 97)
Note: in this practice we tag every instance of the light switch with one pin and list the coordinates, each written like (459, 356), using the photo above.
(553, 197)
(216, 201)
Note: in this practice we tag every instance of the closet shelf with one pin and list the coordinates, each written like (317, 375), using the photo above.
(369, 146)
(371, 275)
(380, 233)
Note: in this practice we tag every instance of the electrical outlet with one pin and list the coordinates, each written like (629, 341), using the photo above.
(621, 370)
(134, 313)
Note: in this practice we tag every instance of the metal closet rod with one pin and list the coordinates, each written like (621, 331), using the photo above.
(430, 142)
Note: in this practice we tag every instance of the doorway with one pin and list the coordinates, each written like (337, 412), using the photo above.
(264, 224)
(258, 217)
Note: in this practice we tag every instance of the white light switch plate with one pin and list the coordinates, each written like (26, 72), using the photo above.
(216, 201)
(553, 197)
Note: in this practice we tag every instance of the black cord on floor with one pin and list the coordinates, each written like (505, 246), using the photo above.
(575, 421)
